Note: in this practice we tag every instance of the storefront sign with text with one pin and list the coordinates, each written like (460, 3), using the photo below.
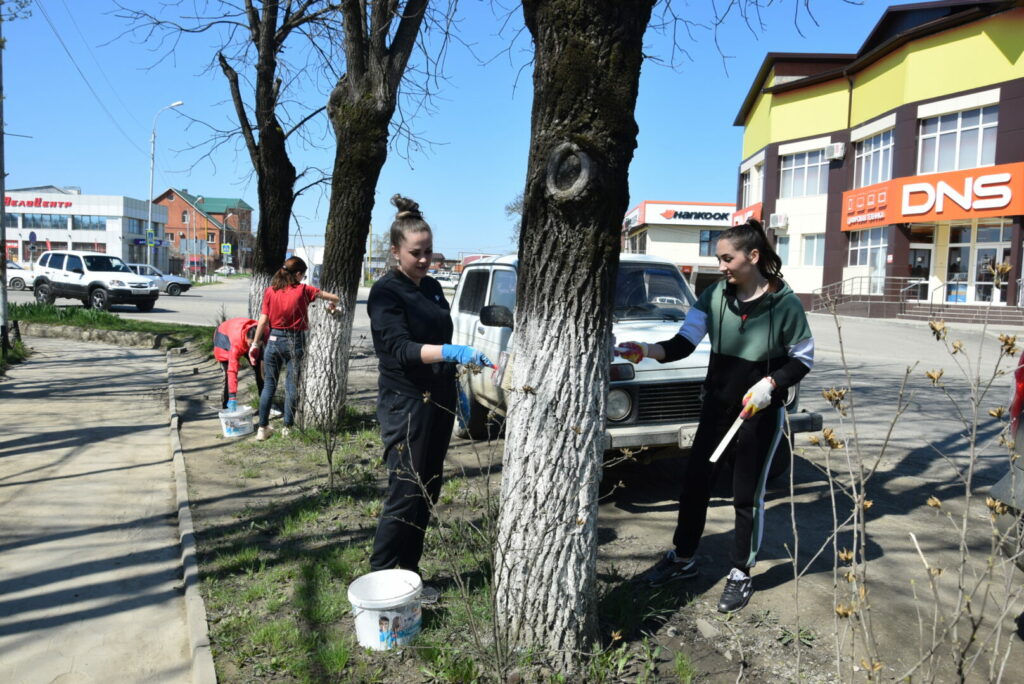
(986, 192)
(743, 215)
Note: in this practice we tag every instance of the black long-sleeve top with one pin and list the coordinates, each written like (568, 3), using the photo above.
(404, 317)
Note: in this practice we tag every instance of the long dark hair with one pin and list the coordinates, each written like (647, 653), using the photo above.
(408, 219)
(289, 274)
(750, 236)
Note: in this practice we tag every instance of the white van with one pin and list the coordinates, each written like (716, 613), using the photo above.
(650, 404)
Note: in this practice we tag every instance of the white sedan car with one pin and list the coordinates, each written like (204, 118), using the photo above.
(171, 284)
(18, 277)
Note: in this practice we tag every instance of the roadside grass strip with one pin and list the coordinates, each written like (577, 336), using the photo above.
(176, 334)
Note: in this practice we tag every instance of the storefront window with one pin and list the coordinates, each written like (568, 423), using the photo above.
(11, 220)
(804, 174)
(90, 247)
(89, 222)
(54, 221)
(963, 140)
(868, 246)
(709, 242)
(873, 160)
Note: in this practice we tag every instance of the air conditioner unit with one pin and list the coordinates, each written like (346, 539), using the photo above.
(777, 221)
(835, 151)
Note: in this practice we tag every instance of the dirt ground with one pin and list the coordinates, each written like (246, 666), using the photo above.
(762, 643)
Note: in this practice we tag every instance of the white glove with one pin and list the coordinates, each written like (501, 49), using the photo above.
(757, 397)
(634, 352)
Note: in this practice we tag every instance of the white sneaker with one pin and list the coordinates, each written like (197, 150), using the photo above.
(285, 431)
(274, 413)
(263, 433)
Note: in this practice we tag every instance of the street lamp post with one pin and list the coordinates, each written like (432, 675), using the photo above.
(149, 199)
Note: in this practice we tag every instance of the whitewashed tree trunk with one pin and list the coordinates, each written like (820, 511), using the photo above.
(258, 284)
(587, 69)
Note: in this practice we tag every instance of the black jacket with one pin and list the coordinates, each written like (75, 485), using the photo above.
(404, 317)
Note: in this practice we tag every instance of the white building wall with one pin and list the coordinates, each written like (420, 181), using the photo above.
(806, 216)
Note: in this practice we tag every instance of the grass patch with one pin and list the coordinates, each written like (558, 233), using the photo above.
(16, 354)
(175, 334)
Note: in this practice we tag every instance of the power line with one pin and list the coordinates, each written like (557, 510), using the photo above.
(39, 3)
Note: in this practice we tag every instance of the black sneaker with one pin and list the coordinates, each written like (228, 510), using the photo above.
(669, 568)
(736, 593)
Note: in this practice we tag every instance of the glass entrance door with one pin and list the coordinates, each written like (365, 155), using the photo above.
(920, 269)
(986, 261)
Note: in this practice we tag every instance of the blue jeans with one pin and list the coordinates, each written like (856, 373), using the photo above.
(282, 349)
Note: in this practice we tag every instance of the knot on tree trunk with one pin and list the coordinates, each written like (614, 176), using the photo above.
(569, 171)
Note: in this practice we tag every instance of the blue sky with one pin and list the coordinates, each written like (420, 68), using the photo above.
(688, 150)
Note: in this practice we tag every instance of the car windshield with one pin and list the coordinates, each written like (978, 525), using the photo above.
(655, 291)
(106, 263)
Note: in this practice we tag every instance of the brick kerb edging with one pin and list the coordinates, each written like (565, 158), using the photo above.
(203, 671)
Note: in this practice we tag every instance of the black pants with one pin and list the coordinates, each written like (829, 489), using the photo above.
(751, 455)
(258, 369)
(416, 435)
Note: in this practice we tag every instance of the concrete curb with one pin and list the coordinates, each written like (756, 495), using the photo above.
(203, 671)
(124, 338)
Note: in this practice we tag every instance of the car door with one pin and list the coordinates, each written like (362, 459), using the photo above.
(158, 278)
(469, 299)
(74, 282)
(492, 340)
(55, 272)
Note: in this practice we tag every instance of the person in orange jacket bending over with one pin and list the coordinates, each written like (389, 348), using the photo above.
(231, 342)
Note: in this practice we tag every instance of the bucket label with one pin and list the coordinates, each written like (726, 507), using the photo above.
(397, 628)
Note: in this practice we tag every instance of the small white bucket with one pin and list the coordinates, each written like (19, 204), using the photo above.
(386, 607)
(236, 423)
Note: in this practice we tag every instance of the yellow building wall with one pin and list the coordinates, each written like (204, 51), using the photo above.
(982, 53)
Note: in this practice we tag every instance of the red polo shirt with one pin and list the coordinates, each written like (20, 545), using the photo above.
(287, 308)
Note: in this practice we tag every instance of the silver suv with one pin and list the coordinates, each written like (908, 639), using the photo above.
(97, 279)
(650, 404)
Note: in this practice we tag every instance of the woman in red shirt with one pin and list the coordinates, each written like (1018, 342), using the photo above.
(285, 311)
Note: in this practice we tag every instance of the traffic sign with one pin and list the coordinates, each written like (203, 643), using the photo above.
(225, 248)
(32, 237)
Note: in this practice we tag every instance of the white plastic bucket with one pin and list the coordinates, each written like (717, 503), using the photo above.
(386, 607)
(236, 423)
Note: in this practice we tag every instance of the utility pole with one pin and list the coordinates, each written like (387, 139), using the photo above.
(5, 340)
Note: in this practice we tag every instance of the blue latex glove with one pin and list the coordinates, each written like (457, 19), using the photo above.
(232, 404)
(460, 353)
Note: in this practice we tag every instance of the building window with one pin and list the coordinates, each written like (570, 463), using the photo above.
(873, 160)
(866, 246)
(804, 174)
(89, 222)
(814, 250)
(184, 217)
(211, 236)
(11, 220)
(51, 221)
(90, 247)
(136, 226)
(963, 140)
(751, 183)
(782, 247)
(709, 242)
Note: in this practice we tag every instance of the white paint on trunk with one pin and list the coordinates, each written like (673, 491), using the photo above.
(325, 375)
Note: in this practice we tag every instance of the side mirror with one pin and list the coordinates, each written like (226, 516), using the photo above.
(496, 316)
(78, 271)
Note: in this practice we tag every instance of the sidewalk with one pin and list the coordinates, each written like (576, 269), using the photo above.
(90, 578)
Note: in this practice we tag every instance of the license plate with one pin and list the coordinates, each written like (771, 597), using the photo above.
(140, 290)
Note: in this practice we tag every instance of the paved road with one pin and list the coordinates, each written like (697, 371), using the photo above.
(201, 305)
(89, 558)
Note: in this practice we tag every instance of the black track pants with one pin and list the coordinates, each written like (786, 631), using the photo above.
(751, 455)
(416, 435)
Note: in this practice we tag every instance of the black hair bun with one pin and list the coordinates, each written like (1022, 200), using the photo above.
(404, 204)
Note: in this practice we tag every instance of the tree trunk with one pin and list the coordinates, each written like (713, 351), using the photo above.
(275, 187)
(586, 76)
(361, 130)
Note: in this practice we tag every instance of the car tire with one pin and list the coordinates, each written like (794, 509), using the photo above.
(145, 307)
(174, 289)
(16, 284)
(99, 299)
(473, 421)
(44, 293)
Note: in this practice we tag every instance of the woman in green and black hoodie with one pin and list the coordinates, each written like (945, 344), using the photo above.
(761, 345)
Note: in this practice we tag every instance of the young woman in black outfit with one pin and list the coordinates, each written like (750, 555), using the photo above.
(412, 331)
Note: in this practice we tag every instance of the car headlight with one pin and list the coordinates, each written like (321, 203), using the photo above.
(118, 283)
(619, 405)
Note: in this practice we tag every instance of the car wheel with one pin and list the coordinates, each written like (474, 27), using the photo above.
(473, 421)
(16, 284)
(99, 299)
(174, 289)
(44, 293)
(145, 306)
